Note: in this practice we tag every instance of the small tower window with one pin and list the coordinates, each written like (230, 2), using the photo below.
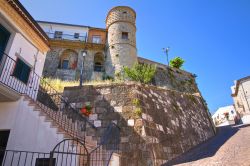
(124, 35)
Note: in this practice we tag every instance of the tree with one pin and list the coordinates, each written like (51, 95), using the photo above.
(142, 73)
(177, 62)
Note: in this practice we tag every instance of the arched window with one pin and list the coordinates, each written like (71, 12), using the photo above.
(68, 59)
(98, 62)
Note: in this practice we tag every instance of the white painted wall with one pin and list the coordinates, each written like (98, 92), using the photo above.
(242, 99)
(20, 46)
(219, 114)
(244, 91)
(28, 130)
(66, 29)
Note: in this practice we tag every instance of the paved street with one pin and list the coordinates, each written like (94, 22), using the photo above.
(231, 147)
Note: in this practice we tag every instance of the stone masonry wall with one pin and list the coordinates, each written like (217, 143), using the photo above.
(53, 59)
(156, 124)
(121, 51)
(172, 78)
(175, 79)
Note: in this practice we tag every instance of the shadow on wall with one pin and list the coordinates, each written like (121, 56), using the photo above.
(170, 124)
(208, 148)
(133, 150)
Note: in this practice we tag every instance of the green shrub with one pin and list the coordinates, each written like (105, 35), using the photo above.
(136, 102)
(142, 73)
(138, 112)
(107, 77)
(177, 62)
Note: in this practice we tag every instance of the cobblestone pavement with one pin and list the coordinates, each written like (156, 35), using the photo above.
(230, 147)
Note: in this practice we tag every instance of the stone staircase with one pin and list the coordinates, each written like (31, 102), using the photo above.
(60, 121)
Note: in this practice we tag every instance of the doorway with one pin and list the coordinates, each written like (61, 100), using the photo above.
(4, 136)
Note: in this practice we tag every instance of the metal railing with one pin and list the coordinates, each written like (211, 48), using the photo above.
(53, 35)
(71, 152)
(56, 107)
(23, 158)
(45, 97)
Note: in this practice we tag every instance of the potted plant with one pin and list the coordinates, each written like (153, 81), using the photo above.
(226, 114)
(86, 110)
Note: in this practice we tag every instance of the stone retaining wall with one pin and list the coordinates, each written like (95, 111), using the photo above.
(156, 124)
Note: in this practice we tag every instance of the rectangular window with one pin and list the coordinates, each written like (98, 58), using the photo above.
(124, 35)
(4, 37)
(45, 162)
(22, 71)
(96, 39)
(58, 34)
(65, 64)
(76, 35)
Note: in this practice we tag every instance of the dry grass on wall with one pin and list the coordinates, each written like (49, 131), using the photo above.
(59, 84)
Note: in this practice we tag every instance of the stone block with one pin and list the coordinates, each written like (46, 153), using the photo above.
(113, 103)
(138, 122)
(131, 122)
(79, 105)
(93, 117)
(159, 127)
(97, 123)
(114, 121)
(99, 98)
(99, 110)
(105, 91)
(147, 117)
(118, 109)
(167, 149)
(124, 139)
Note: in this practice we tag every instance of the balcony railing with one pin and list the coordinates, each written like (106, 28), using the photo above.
(7, 67)
(45, 97)
(55, 36)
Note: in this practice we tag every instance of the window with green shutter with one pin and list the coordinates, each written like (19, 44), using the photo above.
(22, 71)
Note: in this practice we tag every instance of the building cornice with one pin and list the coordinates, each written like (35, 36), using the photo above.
(25, 23)
(76, 45)
(237, 85)
(70, 25)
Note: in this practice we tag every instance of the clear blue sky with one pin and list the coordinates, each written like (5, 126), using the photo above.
(213, 36)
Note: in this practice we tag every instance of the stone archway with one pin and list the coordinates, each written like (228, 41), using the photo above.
(68, 59)
(99, 62)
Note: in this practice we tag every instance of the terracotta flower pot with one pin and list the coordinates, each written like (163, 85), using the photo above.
(85, 112)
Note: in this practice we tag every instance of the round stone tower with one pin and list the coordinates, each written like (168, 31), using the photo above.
(121, 43)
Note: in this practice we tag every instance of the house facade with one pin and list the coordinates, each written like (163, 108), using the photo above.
(36, 122)
(74, 47)
(241, 97)
(23, 48)
(99, 52)
(225, 116)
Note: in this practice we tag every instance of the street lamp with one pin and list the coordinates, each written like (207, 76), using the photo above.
(166, 50)
(81, 74)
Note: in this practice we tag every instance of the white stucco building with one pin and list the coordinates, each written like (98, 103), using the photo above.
(241, 96)
(23, 47)
(224, 116)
